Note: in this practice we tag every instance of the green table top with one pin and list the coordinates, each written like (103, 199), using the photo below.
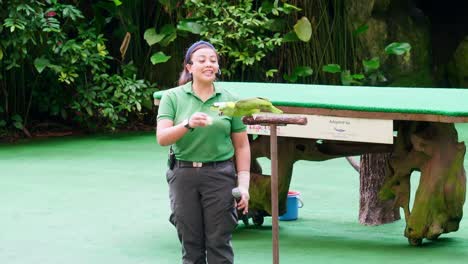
(419, 101)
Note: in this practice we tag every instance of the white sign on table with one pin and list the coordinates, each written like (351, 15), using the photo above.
(334, 128)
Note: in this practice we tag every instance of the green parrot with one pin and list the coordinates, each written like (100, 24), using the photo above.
(245, 107)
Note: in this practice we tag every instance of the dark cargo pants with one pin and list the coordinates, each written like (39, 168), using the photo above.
(203, 211)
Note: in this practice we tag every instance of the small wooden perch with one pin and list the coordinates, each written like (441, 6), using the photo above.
(275, 120)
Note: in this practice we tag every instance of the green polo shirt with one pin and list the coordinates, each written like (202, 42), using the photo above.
(203, 144)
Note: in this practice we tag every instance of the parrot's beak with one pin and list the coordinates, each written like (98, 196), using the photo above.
(216, 109)
(219, 104)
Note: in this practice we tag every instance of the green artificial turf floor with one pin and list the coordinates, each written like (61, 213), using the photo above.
(103, 199)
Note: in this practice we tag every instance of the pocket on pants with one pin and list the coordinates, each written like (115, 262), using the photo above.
(229, 170)
(231, 219)
(170, 175)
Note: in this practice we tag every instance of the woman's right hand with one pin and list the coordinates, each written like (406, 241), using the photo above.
(199, 119)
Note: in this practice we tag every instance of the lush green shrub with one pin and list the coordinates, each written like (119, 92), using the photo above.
(243, 32)
(59, 63)
(110, 100)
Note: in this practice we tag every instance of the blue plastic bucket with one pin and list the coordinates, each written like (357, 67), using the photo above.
(293, 204)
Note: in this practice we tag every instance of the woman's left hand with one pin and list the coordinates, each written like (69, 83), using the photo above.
(243, 203)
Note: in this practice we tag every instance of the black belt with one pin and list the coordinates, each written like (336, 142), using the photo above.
(193, 164)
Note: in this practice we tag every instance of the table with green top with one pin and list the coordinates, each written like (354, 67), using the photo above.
(424, 139)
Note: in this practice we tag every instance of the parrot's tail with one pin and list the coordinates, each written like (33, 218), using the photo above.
(276, 110)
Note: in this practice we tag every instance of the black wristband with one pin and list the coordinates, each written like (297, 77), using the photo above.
(187, 125)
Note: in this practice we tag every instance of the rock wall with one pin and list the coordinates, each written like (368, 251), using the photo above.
(394, 21)
(436, 30)
(457, 68)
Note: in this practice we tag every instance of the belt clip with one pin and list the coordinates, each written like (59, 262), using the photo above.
(197, 164)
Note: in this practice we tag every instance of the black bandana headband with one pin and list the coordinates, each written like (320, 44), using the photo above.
(194, 45)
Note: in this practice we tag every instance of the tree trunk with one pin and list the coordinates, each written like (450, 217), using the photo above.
(434, 150)
(372, 210)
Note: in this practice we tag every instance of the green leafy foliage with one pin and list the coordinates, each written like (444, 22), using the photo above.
(346, 77)
(303, 29)
(351, 79)
(397, 48)
(190, 26)
(41, 63)
(111, 100)
(361, 30)
(2, 122)
(270, 73)
(168, 34)
(331, 68)
(152, 37)
(372, 72)
(301, 71)
(61, 62)
(290, 37)
(371, 65)
(17, 122)
(117, 2)
(159, 57)
(169, 4)
(242, 33)
(101, 100)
